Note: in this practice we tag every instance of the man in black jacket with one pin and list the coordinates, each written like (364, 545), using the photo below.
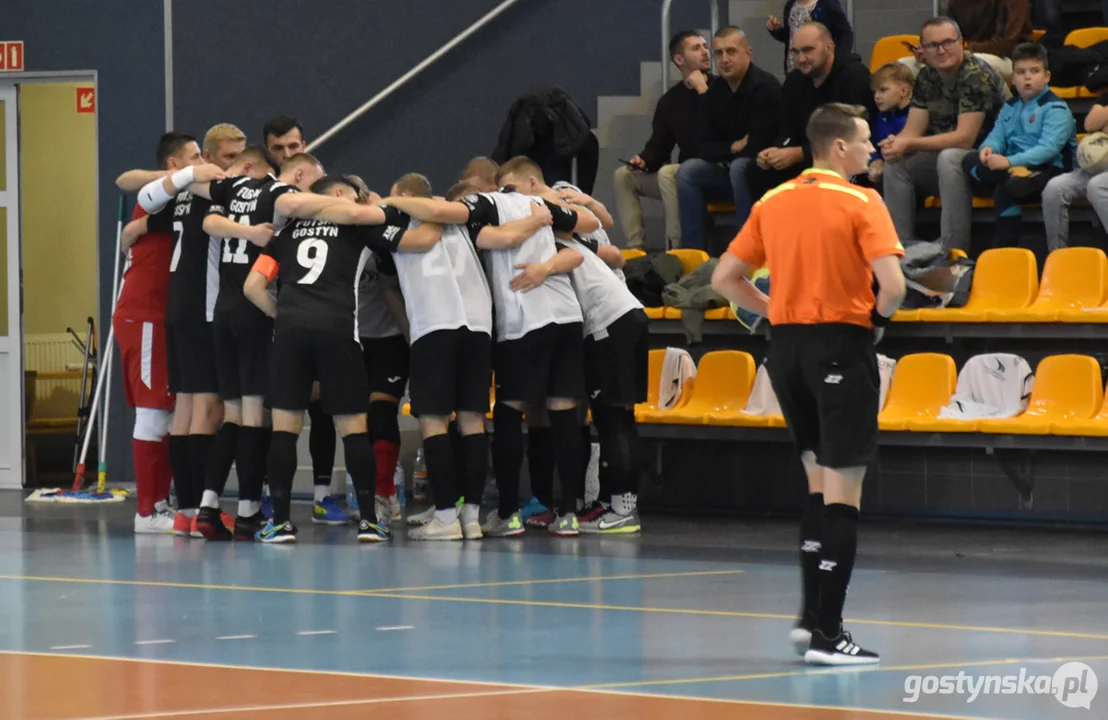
(740, 116)
(820, 78)
(652, 173)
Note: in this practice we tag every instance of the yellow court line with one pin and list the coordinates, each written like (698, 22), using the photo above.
(551, 581)
(182, 586)
(733, 613)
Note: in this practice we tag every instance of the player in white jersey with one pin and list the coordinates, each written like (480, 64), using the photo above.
(537, 356)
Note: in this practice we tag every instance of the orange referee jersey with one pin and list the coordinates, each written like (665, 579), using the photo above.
(817, 234)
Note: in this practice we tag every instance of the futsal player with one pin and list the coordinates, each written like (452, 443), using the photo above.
(480, 174)
(824, 241)
(537, 356)
(319, 260)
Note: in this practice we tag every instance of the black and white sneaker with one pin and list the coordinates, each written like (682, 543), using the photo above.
(838, 651)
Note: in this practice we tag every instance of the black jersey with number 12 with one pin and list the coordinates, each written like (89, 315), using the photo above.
(320, 264)
(194, 269)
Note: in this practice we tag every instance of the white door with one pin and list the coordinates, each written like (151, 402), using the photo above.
(11, 330)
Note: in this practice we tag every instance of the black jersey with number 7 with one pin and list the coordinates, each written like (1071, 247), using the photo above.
(320, 264)
(193, 270)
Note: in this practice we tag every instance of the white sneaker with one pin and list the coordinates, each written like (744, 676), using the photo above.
(471, 522)
(437, 530)
(156, 523)
(394, 505)
(422, 518)
(163, 507)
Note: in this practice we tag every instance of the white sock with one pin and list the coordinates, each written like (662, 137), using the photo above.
(624, 504)
(249, 508)
(210, 500)
(448, 516)
(471, 513)
(321, 493)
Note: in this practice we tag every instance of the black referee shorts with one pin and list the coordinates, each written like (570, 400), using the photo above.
(303, 355)
(243, 342)
(190, 352)
(386, 364)
(828, 386)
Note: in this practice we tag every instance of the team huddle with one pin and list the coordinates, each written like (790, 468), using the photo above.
(258, 287)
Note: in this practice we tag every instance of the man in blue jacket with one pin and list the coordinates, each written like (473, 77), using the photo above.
(1033, 140)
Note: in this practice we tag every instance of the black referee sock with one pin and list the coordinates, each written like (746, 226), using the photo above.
(250, 462)
(811, 542)
(321, 443)
(179, 463)
(474, 452)
(281, 468)
(362, 466)
(840, 545)
(540, 464)
(442, 472)
(565, 429)
(199, 449)
(221, 457)
(507, 456)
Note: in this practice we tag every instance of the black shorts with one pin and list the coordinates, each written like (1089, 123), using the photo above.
(544, 363)
(827, 382)
(451, 372)
(617, 361)
(190, 351)
(303, 355)
(386, 364)
(243, 342)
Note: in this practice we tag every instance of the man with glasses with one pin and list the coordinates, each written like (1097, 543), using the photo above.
(955, 102)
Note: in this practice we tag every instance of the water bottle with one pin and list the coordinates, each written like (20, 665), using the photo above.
(419, 478)
(398, 483)
(351, 494)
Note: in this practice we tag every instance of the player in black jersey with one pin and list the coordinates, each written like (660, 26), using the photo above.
(319, 261)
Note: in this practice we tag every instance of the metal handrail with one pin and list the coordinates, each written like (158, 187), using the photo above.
(399, 82)
(666, 59)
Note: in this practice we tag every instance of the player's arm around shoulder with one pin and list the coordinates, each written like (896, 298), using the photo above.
(532, 275)
(132, 232)
(431, 209)
(515, 232)
(303, 205)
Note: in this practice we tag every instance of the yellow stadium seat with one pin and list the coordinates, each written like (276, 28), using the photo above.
(978, 202)
(1037, 35)
(906, 316)
(1073, 279)
(655, 313)
(721, 207)
(1083, 38)
(690, 258)
(922, 385)
(890, 49)
(654, 378)
(722, 313)
(1067, 387)
(1005, 278)
(723, 382)
(1097, 314)
(1096, 426)
(631, 253)
(407, 409)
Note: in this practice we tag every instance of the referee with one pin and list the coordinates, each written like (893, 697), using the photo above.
(824, 241)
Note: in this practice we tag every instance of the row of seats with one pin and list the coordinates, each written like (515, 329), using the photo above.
(1068, 397)
(1006, 289)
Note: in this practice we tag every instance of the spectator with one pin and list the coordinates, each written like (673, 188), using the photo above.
(1031, 143)
(992, 27)
(954, 103)
(739, 118)
(799, 12)
(820, 77)
(1064, 190)
(892, 94)
(651, 173)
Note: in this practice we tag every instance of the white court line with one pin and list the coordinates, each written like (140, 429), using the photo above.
(306, 706)
(317, 632)
(154, 642)
(389, 628)
(236, 637)
(71, 647)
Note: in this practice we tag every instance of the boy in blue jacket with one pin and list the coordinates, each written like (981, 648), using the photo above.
(892, 94)
(1034, 139)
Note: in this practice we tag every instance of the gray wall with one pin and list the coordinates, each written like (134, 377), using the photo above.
(122, 40)
(320, 64)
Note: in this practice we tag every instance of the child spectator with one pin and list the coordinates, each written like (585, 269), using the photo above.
(1032, 141)
(892, 94)
(799, 12)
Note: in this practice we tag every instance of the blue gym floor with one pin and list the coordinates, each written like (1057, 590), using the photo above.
(694, 609)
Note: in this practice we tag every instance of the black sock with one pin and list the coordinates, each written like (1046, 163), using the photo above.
(362, 466)
(281, 468)
(540, 464)
(441, 471)
(321, 444)
(619, 439)
(507, 456)
(250, 462)
(840, 545)
(565, 429)
(221, 457)
(475, 466)
(182, 476)
(811, 539)
(200, 450)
